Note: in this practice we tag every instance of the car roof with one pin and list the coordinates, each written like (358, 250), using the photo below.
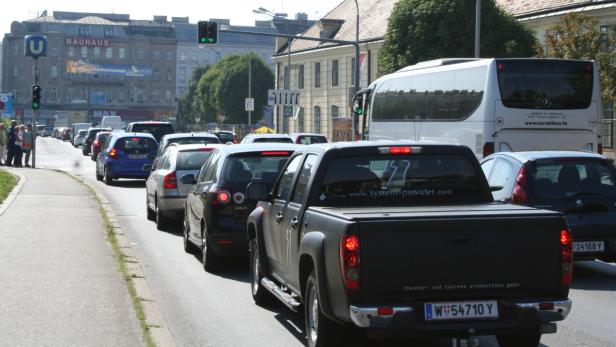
(537, 155)
(192, 147)
(256, 136)
(149, 122)
(195, 134)
(258, 147)
(120, 135)
(307, 134)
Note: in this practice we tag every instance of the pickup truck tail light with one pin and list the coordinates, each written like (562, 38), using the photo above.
(349, 261)
(171, 181)
(566, 257)
(520, 195)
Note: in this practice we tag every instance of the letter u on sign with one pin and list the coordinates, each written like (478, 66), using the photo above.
(35, 46)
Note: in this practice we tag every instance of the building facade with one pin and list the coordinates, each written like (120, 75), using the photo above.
(96, 65)
(323, 72)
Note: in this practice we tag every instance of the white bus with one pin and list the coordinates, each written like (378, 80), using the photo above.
(487, 104)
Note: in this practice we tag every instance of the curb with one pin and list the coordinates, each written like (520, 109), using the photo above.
(154, 320)
(13, 194)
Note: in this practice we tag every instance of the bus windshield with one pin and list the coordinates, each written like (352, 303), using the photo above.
(545, 84)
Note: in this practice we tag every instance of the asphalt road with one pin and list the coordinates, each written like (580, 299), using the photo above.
(203, 309)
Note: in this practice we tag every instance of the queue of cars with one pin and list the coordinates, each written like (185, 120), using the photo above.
(344, 231)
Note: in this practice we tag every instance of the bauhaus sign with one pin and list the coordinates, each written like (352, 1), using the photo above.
(88, 42)
(35, 46)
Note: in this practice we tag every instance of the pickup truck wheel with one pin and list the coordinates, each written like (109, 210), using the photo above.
(320, 331)
(210, 261)
(259, 294)
(523, 340)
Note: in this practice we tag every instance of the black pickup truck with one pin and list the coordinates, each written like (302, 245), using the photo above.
(405, 239)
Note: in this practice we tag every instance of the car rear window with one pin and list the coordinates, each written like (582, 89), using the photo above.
(157, 130)
(92, 132)
(570, 178)
(307, 140)
(193, 140)
(400, 180)
(249, 167)
(82, 132)
(225, 137)
(274, 139)
(136, 145)
(191, 160)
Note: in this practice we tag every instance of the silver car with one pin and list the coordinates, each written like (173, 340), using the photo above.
(81, 136)
(172, 180)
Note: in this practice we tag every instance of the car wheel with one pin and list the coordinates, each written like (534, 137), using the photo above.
(320, 330)
(210, 261)
(521, 340)
(259, 294)
(189, 247)
(98, 177)
(107, 177)
(161, 221)
(150, 213)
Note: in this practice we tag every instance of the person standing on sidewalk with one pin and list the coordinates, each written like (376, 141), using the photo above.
(11, 136)
(3, 141)
(19, 142)
(27, 145)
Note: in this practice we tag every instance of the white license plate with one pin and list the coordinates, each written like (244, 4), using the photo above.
(460, 310)
(588, 246)
(137, 156)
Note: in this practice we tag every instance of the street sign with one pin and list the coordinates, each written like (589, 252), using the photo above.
(249, 104)
(287, 111)
(35, 46)
(283, 97)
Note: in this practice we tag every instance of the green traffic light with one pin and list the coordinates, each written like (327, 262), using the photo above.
(36, 106)
(211, 39)
(203, 39)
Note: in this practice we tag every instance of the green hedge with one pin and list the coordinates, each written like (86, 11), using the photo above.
(7, 182)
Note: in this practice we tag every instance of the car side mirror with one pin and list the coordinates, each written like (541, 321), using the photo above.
(188, 179)
(496, 188)
(147, 167)
(257, 191)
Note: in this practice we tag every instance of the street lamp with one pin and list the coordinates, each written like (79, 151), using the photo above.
(356, 86)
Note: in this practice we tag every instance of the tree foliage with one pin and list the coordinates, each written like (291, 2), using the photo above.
(188, 107)
(225, 86)
(420, 30)
(577, 36)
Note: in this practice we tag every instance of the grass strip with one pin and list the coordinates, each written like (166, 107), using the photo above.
(7, 183)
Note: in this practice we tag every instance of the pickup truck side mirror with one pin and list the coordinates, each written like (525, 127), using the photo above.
(147, 167)
(188, 179)
(257, 191)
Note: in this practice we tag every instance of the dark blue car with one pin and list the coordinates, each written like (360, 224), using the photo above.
(124, 155)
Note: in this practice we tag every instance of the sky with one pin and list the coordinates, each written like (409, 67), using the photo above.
(239, 11)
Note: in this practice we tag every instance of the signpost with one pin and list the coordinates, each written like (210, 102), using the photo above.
(35, 46)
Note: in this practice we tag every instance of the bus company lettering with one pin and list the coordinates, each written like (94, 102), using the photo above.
(88, 42)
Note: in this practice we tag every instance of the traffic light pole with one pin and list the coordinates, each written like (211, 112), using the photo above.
(34, 116)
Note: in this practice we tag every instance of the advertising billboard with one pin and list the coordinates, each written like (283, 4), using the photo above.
(83, 67)
(6, 105)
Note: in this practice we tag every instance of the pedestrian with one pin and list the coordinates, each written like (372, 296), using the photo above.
(3, 142)
(27, 144)
(11, 136)
(19, 142)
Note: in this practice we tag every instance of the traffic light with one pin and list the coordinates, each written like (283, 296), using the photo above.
(208, 32)
(36, 97)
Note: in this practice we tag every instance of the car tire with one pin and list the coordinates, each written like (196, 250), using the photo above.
(150, 213)
(98, 177)
(260, 295)
(107, 177)
(209, 259)
(161, 220)
(520, 340)
(320, 330)
(189, 247)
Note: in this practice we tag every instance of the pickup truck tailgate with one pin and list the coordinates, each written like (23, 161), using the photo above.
(449, 253)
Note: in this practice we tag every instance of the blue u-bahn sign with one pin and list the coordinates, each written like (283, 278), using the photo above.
(35, 46)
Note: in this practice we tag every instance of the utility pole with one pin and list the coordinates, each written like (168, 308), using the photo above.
(35, 112)
(356, 72)
(477, 27)
(249, 91)
(35, 46)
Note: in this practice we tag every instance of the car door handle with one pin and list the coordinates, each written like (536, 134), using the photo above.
(294, 223)
(278, 217)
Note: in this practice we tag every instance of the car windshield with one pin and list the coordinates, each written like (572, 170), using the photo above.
(309, 139)
(193, 140)
(136, 145)
(191, 160)
(244, 168)
(273, 139)
(400, 180)
(157, 130)
(571, 177)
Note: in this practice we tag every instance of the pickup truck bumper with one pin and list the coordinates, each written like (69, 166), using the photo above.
(515, 317)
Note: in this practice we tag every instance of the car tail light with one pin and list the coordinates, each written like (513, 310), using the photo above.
(275, 153)
(520, 195)
(399, 150)
(566, 257)
(113, 153)
(96, 143)
(349, 261)
(222, 197)
(171, 181)
(600, 148)
(488, 149)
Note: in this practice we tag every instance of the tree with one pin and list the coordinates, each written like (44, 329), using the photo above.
(420, 30)
(188, 109)
(225, 86)
(577, 36)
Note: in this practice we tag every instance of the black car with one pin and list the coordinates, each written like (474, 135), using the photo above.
(216, 208)
(157, 129)
(581, 185)
(90, 137)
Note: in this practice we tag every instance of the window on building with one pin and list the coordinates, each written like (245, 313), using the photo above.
(317, 120)
(300, 120)
(155, 97)
(334, 73)
(169, 76)
(109, 31)
(15, 50)
(317, 75)
(15, 71)
(70, 51)
(109, 52)
(109, 95)
(286, 77)
(156, 55)
(84, 52)
(122, 53)
(15, 94)
(168, 96)
(83, 30)
(169, 55)
(300, 77)
(54, 52)
(139, 96)
(182, 74)
(604, 31)
(140, 54)
(70, 94)
(334, 111)
(97, 52)
(54, 71)
(156, 75)
(182, 55)
(53, 94)
(121, 96)
(353, 71)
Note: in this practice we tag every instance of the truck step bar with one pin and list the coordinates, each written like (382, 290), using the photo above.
(283, 296)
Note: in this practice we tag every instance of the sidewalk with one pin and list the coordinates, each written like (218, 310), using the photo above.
(59, 280)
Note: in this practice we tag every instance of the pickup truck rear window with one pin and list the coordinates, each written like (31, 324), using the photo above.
(400, 180)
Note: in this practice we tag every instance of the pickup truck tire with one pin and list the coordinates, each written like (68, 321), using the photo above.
(260, 295)
(320, 330)
(523, 340)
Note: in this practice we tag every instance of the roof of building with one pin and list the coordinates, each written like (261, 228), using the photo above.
(373, 18)
(527, 8)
